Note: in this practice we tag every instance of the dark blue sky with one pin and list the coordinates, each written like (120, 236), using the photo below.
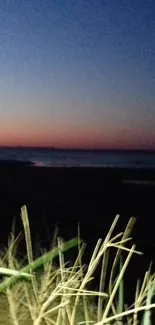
(77, 73)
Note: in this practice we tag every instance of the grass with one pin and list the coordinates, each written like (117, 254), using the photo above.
(40, 291)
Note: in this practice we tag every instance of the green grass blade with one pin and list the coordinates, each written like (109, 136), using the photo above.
(121, 292)
(47, 257)
(147, 313)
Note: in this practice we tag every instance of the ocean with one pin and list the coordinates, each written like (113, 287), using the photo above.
(78, 158)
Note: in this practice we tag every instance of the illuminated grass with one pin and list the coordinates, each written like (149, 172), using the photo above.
(41, 293)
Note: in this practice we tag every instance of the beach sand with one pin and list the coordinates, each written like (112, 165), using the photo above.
(90, 196)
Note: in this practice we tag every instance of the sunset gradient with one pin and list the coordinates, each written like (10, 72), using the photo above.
(77, 74)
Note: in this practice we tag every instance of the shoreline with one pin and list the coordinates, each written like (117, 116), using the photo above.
(138, 166)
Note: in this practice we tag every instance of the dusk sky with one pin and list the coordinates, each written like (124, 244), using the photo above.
(77, 73)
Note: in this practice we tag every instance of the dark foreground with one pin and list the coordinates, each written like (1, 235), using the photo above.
(92, 196)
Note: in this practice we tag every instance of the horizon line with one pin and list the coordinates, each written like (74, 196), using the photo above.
(74, 149)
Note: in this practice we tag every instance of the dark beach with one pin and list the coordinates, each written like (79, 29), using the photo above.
(92, 196)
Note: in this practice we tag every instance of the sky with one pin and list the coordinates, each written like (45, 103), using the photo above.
(77, 73)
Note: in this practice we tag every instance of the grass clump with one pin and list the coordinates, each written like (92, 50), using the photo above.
(37, 291)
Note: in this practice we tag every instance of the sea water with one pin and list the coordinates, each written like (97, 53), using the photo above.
(90, 158)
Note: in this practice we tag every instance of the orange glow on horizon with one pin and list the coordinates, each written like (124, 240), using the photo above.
(79, 142)
(62, 135)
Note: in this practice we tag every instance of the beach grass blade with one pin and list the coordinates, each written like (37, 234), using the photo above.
(147, 314)
(47, 257)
